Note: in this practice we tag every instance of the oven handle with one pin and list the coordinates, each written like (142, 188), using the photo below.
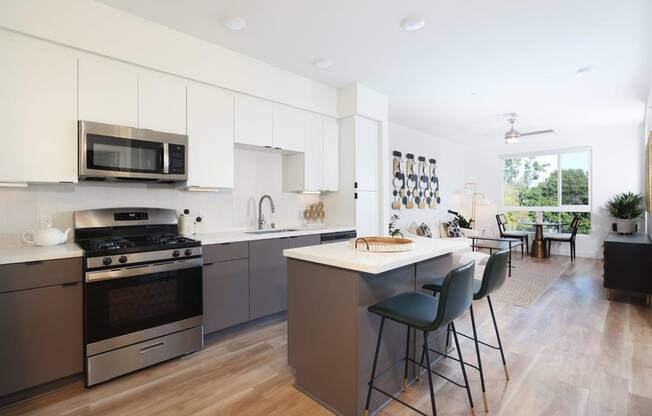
(141, 270)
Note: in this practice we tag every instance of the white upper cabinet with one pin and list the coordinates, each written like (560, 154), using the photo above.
(314, 154)
(253, 121)
(289, 128)
(331, 159)
(367, 153)
(317, 167)
(38, 111)
(210, 137)
(161, 102)
(108, 91)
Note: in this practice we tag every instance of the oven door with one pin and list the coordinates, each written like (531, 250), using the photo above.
(130, 305)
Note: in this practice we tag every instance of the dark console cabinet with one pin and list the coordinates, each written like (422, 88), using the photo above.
(628, 263)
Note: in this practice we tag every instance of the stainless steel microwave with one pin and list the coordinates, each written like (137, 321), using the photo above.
(108, 152)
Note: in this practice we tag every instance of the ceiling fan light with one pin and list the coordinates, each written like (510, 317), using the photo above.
(512, 137)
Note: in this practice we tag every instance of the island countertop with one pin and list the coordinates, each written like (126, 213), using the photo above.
(343, 256)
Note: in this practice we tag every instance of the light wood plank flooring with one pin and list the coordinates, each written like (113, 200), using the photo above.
(571, 353)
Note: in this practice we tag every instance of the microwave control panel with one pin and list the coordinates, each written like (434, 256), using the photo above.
(177, 159)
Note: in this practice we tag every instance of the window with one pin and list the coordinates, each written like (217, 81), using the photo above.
(556, 183)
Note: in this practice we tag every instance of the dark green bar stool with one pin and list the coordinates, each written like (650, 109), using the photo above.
(492, 279)
(426, 313)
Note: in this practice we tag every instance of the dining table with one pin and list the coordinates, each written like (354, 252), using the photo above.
(538, 249)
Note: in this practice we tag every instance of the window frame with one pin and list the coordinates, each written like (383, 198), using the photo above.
(559, 207)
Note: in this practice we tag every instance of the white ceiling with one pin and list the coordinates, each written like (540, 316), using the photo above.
(515, 55)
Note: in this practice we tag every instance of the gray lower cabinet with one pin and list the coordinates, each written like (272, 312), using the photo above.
(40, 323)
(268, 277)
(226, 294)
(268, 273)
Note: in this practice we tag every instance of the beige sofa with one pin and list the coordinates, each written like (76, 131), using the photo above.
(460, 257)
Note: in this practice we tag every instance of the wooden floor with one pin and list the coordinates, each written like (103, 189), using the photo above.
(571, 353)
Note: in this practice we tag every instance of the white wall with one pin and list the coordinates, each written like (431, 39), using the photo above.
(450, 170)
(617, 165)
(257, 173)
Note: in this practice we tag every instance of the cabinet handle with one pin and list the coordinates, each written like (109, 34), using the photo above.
(355, 185)
(278, 148)
(152, 347)
(71, 284)
(355, 195)
(34, 263)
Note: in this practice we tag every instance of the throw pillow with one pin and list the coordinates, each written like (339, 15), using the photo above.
(453, 229)
(424, 231)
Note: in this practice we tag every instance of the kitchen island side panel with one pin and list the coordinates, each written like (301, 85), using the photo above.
(322, 304)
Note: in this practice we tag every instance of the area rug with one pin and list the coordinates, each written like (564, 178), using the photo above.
(530, 278)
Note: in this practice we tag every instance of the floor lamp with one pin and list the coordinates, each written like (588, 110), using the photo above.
(471, 189)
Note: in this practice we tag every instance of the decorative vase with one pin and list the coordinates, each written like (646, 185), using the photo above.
(625, 226)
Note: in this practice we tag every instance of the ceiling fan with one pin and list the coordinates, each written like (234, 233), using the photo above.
(513, 136)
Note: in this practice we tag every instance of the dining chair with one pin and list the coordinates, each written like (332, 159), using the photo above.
(564, 238)
(524, 236)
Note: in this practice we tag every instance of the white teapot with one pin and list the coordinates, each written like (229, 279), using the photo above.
(46, 237)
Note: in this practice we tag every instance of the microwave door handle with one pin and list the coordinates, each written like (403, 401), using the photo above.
(166, 158)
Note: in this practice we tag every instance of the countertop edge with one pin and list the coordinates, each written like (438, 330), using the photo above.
(298, 254)
(26, 254)
(23, 254)
(242, 236)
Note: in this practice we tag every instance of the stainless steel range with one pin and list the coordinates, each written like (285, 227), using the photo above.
(142, 290)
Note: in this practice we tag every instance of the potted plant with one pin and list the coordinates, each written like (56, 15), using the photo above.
(626, 208)
(394, 229)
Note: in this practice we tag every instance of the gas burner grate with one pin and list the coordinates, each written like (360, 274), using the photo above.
(169, 238)
(109, 244)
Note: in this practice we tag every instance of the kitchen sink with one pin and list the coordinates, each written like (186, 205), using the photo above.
(272, 230)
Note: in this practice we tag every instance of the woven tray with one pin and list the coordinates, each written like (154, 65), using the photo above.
(382, 244)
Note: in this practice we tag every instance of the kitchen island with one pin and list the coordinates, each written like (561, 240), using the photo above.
(332, 336)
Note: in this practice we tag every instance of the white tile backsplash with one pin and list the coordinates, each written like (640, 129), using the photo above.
(256, 173)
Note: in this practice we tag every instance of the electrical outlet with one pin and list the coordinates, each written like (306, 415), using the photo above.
(45, 221)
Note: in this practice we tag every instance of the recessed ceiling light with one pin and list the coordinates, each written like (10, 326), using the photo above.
(583, 70)
(322, 63)
(412, 23)
(234, 23)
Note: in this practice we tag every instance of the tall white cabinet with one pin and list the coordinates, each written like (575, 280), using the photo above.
(38, 111)
(210, 136)
(359, 162)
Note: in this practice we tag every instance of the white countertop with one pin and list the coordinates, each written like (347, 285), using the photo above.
(345, 257)
(234, 236)
(23, 254)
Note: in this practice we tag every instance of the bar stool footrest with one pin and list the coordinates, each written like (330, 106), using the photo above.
(400, 401)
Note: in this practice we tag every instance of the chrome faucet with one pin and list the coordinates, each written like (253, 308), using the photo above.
(261, 217)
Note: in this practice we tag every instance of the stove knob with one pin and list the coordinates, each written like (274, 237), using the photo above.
(107, 261)
(122, 259)
(176, 253)
(188, 252)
